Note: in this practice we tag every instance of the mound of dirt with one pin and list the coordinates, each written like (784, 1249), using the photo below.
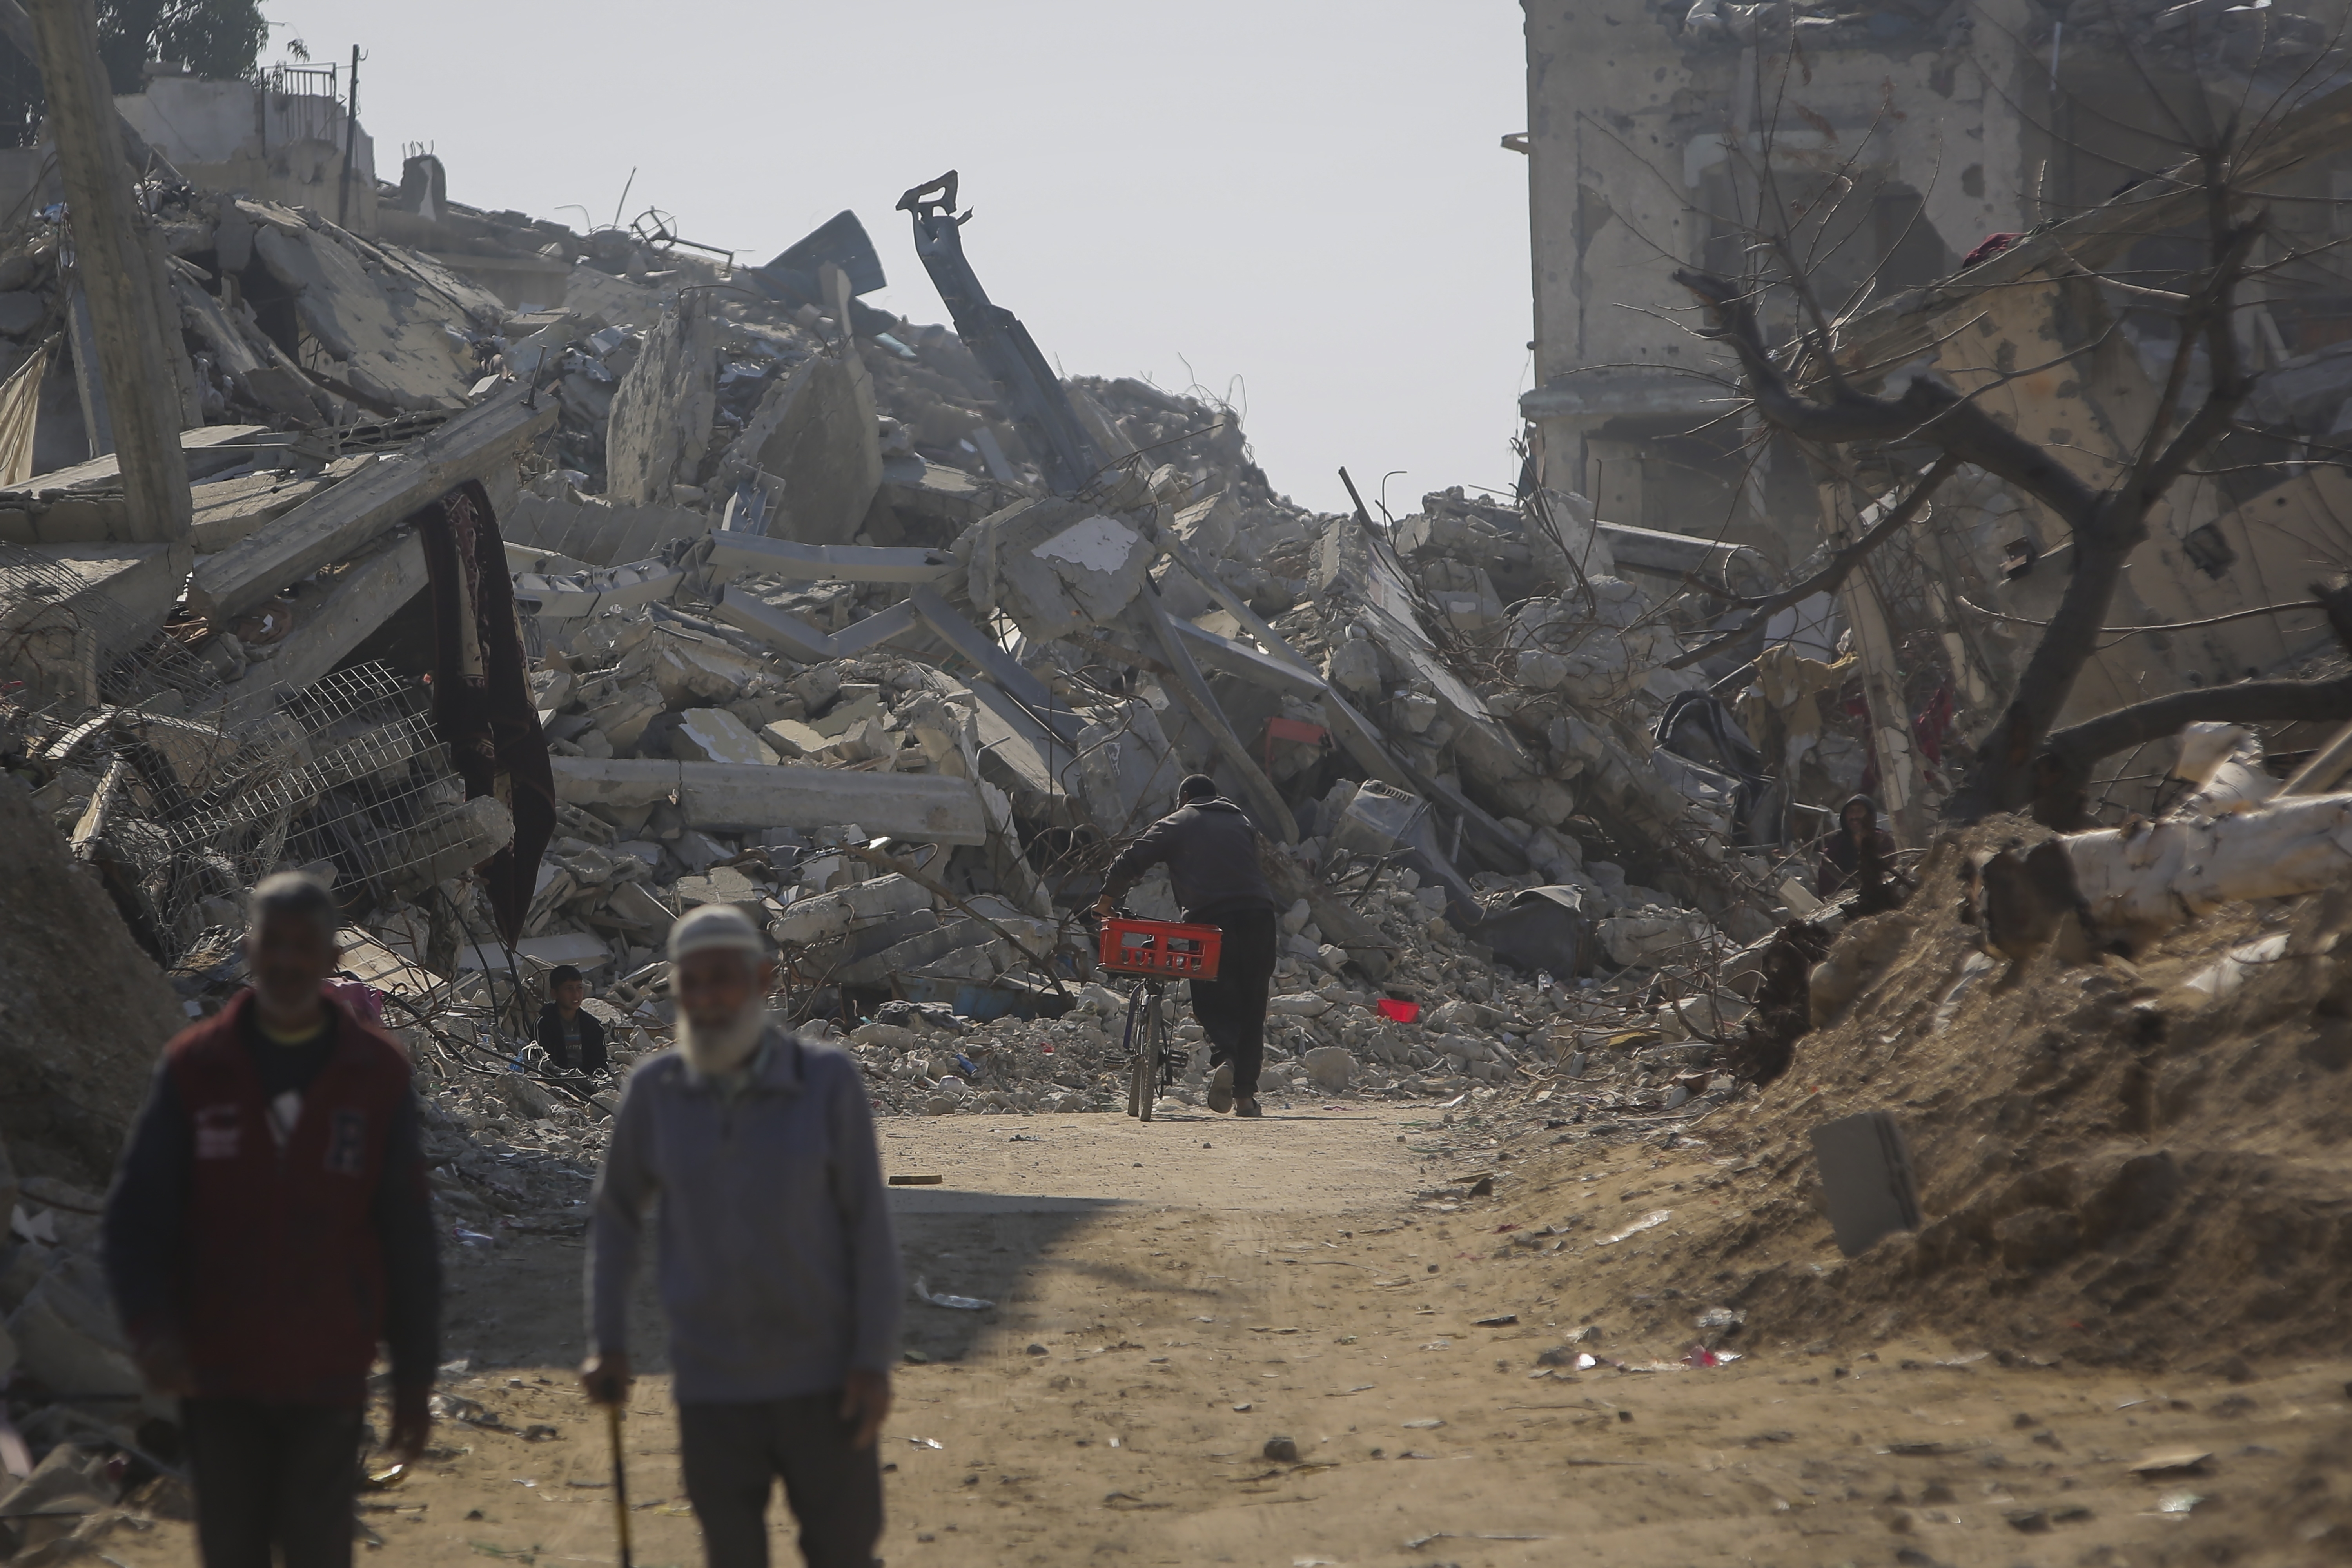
(82, 1010)
(2139, 1162)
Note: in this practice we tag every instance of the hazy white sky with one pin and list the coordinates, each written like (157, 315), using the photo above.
(1297, 203)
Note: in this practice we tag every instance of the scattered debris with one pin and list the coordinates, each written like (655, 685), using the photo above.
(961, 1303)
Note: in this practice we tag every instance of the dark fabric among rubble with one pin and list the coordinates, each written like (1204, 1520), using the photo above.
(481, 697)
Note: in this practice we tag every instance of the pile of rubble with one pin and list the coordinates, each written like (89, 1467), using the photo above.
(865, 626)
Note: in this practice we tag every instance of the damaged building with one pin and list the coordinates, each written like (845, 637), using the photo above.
(1966, 192)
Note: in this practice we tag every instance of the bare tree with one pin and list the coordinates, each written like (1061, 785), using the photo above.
(1808, 387)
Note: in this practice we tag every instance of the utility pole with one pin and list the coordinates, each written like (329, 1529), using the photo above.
(112, 267)
(350, 143)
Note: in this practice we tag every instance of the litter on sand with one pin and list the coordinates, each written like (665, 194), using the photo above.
(961, 1303)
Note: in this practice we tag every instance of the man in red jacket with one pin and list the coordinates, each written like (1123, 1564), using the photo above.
(270, 1223)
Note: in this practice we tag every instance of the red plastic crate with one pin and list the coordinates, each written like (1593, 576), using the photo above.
(1161, 947)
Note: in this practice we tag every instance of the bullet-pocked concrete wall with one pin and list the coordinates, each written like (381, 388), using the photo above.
(1634, 121)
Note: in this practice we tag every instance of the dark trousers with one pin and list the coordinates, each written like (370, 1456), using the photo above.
(732, 1455)
(272, 1476)
(1231, 1007)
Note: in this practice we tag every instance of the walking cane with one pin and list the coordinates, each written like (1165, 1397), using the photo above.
(620, 1479)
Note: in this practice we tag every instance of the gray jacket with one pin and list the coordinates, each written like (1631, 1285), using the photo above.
(1210, 852)
(778, 1269)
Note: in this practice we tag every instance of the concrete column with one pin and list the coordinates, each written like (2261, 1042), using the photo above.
(110, 261)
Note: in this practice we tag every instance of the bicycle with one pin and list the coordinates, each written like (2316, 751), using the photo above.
(1154, 953)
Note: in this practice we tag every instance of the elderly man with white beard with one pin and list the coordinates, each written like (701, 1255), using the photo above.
(777, 1270)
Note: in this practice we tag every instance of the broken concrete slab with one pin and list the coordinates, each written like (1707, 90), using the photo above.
(692, 667)
(927, 500)
(576, 595)
(228, 510)
(1016, 753)
(620, 300)
(87, 1009)
(1274, 815)
(389, 332)
(331, 525)
(1054, 566)
(989, 656)
(456, 841)
(715, 735)
(922, 808)
(621, 716)
(120, 592)
(597, 529)
(260, 372)
(779, 629)
(1231, 657)
(814, 440)
(331, 616)
(207, 449)
(796, 561)
(658, 433)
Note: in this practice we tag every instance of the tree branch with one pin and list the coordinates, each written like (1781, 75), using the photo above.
(1831, 576)
(2210, 311)
(1928, 410)
(2063, 768)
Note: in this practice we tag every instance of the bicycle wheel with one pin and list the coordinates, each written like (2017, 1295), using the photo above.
(1147, 1060)
(1133, 1042)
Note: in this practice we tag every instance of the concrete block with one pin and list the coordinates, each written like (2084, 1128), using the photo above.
(844, 716)
(715, 735)
(1057, 566)
(633, 904)
(791, 738)
(806, 921)
(1867, 1184)
(457, 840)
(688, 666)
(622, 718)
(816, 432)
(883, 896)
(1328, 1068)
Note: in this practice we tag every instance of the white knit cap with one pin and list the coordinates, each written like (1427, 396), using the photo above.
(715, 926)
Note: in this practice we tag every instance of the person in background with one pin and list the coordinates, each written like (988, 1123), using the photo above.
(269, 1225)
(1211, 850)
(1860, 855)
(569, 1034)
(778, 1271)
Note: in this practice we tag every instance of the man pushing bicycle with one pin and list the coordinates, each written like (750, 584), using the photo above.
(1211, 850)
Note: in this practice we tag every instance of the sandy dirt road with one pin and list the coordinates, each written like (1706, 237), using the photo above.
(1170, 1297)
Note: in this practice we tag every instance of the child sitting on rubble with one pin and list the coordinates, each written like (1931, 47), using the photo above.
(569, 1034)
(1859, 857)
